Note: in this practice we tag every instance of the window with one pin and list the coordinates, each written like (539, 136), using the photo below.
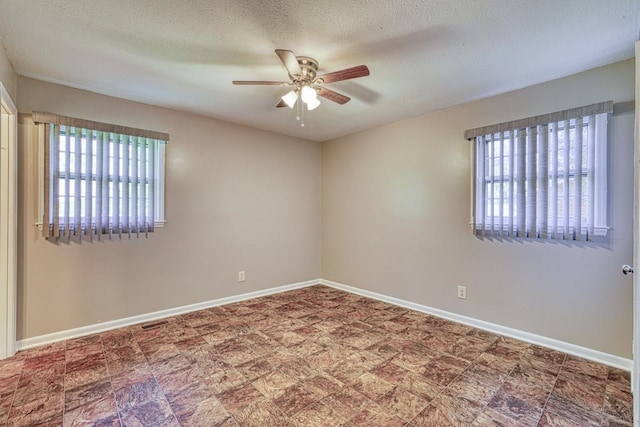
(100, 179)
(544, 177)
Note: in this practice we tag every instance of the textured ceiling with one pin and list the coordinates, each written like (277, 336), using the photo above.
(423, 55)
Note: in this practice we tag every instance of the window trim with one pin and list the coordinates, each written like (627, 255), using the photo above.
(159, 185)
(601, 112)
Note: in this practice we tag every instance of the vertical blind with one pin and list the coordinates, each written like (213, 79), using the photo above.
(543, 177)
(100, 179)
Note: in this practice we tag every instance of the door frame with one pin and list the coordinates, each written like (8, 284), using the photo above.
(8, 222)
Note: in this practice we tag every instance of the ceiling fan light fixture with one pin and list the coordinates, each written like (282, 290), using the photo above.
(313, 104)
(290, 98)
(308, 94)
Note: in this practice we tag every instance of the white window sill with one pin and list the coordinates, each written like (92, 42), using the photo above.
(156, 224)
(598, 231)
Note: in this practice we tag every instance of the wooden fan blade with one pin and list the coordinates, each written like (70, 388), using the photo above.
(346, 74)
(258, 82)
(290, 61)
(281, 104)
(333, 96)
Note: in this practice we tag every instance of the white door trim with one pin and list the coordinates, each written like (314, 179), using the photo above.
(635, 372)
(8, 222)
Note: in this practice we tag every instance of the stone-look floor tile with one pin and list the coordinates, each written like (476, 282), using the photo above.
(411, 360)
(166, 366)
(208, 412)
(468, 348)
(97, 412)
(549, 419)
(78, 378)
(325, 359)
(133, 361)
(504, 351)
(346, 371)
(130, 377)
(374, 415)
(548, 355)
(280, 356)
(372, 386)
(388, 348)
(483, 335)
(441, 372)
(403, 404)
(322, 385)
(609, 421)
(585, 367)
(298, 369)
(117, 338)
(494, 366)
(491, 418)
(346, 403)
(55, 421)
(583, 389)
(446, 411)
(272, 383)
(618, 403)
(311, 356)
(564, 409)
(525, 371)
(85, 394)
(513, 343)
(190, 343)
(391, 372)
(619, 379)
(305, 348)
(184, 401)
(293, 399)
(80, 352)
(255, 368)
(223, 378)
(37, 391)
(473, 387)
(420, 386)
(37, 410)
(261, 413)
(519, 400)
(83, 341)
(152, 413)
(138, 394)
(173, 382)
(157, 353)
(235, 400)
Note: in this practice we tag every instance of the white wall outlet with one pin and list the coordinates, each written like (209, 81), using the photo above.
(241, 276)
(462, 292)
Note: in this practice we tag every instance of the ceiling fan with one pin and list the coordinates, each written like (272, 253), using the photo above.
(307, 85)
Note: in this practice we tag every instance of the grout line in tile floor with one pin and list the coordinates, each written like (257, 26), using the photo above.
(315, 356)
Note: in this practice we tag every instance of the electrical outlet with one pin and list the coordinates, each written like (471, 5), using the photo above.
(462, 292)
(241, 276)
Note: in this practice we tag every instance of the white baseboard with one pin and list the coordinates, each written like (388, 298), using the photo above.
(156, 315)
(586, 353)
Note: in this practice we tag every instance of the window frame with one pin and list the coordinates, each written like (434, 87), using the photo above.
(159, 184)
(597, 225)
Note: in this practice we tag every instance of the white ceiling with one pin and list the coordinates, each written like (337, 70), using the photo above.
(423, 55)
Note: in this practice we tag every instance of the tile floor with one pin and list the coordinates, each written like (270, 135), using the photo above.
(310, 357)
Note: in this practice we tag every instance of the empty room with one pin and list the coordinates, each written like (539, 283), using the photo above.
(294, 213)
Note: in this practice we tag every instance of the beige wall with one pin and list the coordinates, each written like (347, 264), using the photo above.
(396, 210)
(8, 76)
(385, 210)
(236, 199)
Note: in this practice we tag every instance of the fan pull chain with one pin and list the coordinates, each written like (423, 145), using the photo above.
(301, 114)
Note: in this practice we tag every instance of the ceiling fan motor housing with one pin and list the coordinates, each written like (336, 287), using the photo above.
(309, 68)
